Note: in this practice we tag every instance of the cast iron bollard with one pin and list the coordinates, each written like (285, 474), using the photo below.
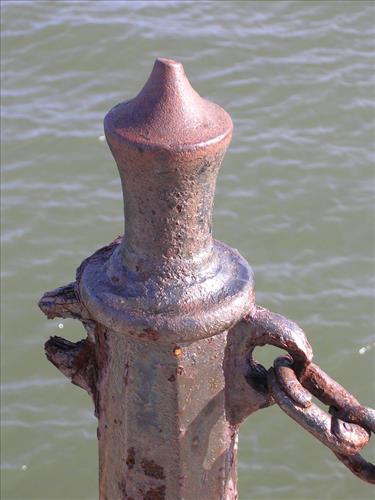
(171, 319)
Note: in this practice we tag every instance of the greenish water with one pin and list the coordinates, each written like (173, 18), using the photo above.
(295, 196)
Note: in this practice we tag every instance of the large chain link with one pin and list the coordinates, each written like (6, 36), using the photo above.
(294, 379)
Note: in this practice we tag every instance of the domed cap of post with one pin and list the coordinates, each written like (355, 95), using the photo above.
(168, 274)
(168, 114)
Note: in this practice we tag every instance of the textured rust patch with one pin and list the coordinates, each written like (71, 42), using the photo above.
(152, 469)
(155, 493)
(150, 334)
(130, 461)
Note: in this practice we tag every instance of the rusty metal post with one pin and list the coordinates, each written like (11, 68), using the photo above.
(171, 320)
(158, 303)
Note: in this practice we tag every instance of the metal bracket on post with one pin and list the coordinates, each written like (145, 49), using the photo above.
(170, 313)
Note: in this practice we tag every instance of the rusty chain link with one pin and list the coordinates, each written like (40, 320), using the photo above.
(294, 379)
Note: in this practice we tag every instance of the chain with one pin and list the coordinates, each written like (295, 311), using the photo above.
(293, 381)
(345, 430)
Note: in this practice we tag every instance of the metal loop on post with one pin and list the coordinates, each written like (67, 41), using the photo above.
(269, 328)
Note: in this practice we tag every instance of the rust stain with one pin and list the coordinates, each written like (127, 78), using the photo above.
(130, 461)
(155, 494)
(148, 333)
(152, 469)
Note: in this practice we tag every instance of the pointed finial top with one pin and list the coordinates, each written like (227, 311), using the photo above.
(168, 113)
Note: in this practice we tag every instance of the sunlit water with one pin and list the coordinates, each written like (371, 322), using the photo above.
(295, 196)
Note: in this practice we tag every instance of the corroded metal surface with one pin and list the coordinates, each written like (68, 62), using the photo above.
(247, 387)
(338, 435)
(161, 406)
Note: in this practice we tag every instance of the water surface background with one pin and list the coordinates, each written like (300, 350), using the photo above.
(295, 196)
